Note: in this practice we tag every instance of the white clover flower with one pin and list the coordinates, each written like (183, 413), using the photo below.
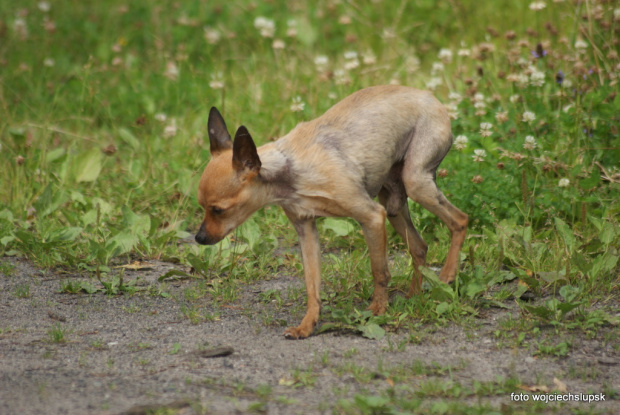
(453, 110)
(352, 61)
(332, 95)
(171, 129)
(513, 77)
(528, 116)
(437, 68)
(564, 182)
(460, 142)
(479, 105)
(297, 105)
(537, 78)
(445, 55)
(514, 98)
(464, 52)
(217, 81)
(278, 44)
(522, 79)
(49, 62)
(21, 27)
(44, 6)
(433, 83)
(266, 27)
(369, 58)
(479, 155)
(291, 30)
(212, 36)
(172, 71)
(412, 63)
(350, 55)
(455, 96)
(537, 5)
(485, 129)
(478, 97)
(321, 62)
(530, 143)
(580, 44)
(341, 77)
(161, 117)
(501, 116)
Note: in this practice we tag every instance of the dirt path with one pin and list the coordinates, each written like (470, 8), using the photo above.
(120, 354)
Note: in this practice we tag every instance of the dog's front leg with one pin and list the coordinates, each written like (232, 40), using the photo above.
(311, 259)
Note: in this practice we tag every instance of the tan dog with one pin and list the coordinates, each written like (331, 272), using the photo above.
(384, 141)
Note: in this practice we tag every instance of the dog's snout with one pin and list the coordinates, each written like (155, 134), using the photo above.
(204, 238)
(201, 237)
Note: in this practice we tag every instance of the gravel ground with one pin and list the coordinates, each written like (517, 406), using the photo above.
(135, 354)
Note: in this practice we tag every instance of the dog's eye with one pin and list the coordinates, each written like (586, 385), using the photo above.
(216, 210)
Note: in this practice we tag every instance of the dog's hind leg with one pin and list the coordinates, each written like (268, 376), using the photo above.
(421, 162)
(401, 222)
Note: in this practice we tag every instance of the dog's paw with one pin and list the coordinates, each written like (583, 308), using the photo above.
(378, 307)
(296, 333)
(448, 276)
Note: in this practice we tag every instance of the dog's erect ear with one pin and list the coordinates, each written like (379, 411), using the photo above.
(245, 156)
(219, 139)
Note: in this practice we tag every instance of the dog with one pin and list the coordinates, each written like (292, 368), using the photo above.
(382, 141)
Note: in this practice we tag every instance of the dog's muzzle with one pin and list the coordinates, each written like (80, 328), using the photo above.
(203, 238)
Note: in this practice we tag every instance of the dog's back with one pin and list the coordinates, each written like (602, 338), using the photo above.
(369, 132)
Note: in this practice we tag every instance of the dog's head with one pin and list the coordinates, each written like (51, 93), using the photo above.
(226, 190)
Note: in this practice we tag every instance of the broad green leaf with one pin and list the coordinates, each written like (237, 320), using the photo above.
(66, 234)
(371, 331)
(592, 181)
(443, 308)
(541, 311)
(473, 289)
(306, 33)
(174, 273)
(250, 232)
(566, 233)
(121, 243)
(607, 235)
(605, 263)
(105, 208)
(128, 137)
(568, 292)
(553, 276)
(137, 224)
(89, 217)
(49, 201)
(6, 215)
(567, 307)
(149, 104)
(54, 154)
(341, 227)
(89, 166)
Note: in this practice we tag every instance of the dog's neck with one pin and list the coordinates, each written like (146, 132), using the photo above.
(276, 173)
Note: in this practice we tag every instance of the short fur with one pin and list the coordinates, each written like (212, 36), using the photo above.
(384, 141)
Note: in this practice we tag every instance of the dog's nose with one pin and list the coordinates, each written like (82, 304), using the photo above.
(200, 239)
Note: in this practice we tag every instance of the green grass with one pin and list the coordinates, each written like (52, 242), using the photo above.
(102, 135)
